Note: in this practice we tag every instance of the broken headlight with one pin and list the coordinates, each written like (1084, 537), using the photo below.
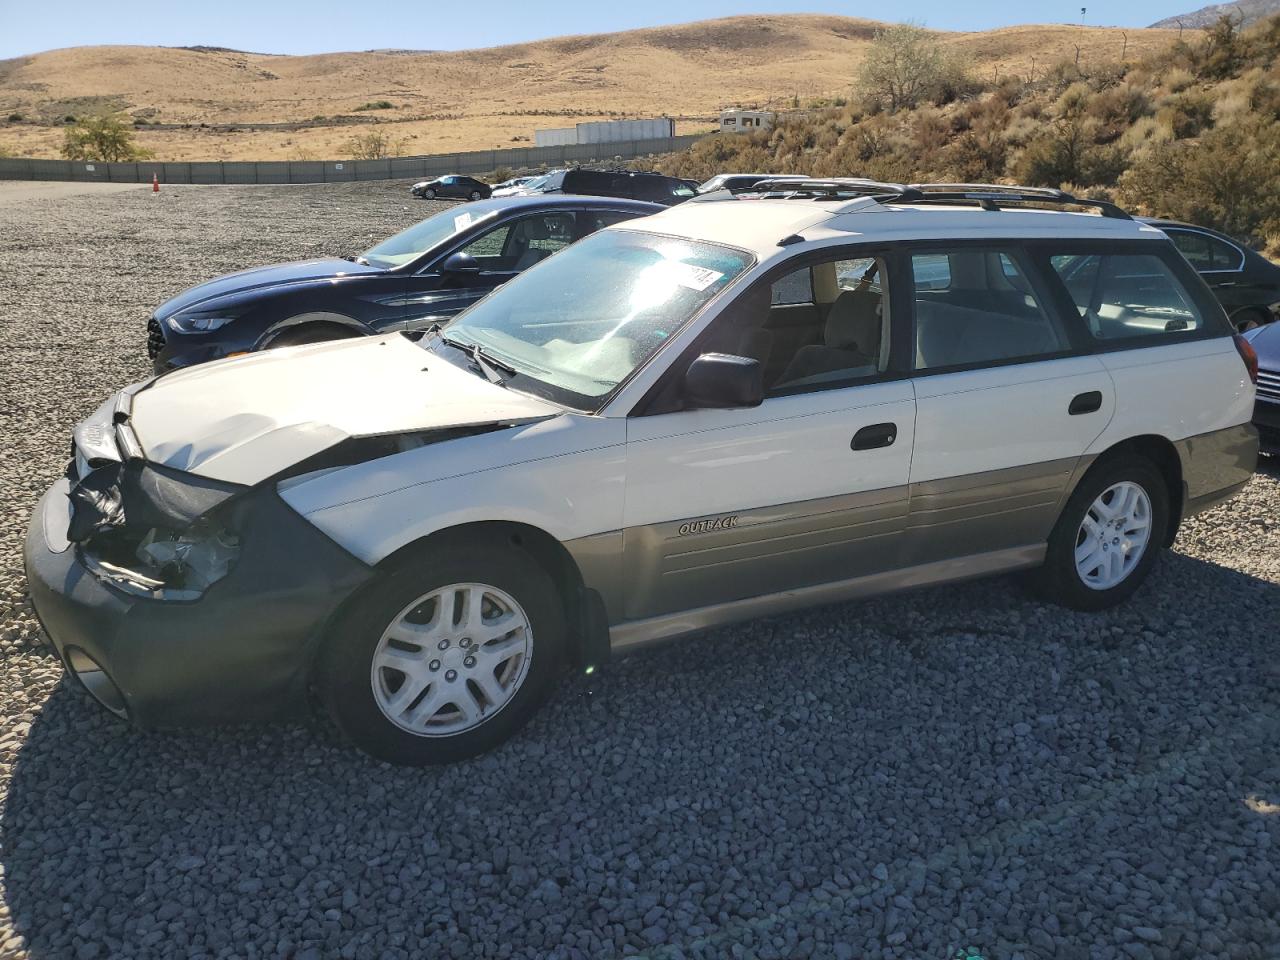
(153, 531)
(187, 560)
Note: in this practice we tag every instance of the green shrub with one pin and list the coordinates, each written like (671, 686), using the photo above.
(1187, 114)
(377, 105)
(1230, 180)
(15, 118)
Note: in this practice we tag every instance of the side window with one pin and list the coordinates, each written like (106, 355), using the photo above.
(976, 306)
(487, 248)
(598, 220)
(932, 271)
(1127, 295)
(820, 327)
(1193, 246)
(795, 287)
(1224, 255)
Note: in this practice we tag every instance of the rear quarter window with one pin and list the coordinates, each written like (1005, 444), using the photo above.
(1130, 296)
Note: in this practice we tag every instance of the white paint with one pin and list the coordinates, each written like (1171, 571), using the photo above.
(700, 462)
(246, 418)
(978, 420)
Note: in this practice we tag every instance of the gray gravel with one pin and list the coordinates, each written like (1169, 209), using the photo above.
(899, 778)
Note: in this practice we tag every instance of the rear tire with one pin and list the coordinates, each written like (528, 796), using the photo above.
(456, 696)
(1108, 536)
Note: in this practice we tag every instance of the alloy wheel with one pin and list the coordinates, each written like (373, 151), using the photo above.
(451, 659)
(1113, 535)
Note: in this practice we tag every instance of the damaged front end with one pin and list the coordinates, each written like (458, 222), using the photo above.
(145, 528)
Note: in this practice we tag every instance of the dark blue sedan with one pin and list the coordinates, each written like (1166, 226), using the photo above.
(425, 275)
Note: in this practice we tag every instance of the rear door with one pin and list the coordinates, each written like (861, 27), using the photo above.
(809, 487)
(1007, 401)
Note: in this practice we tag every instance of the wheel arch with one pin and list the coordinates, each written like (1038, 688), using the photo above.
(583, 607)
(1163, 454)
(319, 318)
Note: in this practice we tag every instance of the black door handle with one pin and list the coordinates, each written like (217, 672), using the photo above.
(1085, 403)
(876, 435)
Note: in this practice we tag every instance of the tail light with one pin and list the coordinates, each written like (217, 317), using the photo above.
(1248, 355)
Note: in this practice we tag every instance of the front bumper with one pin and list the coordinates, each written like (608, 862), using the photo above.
(242, 651)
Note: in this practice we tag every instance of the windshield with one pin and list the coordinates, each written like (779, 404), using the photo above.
(410, 244)
(582, 321)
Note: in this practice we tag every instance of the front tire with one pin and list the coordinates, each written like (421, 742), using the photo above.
(310, 332)
(445, 657)
(429, 194)
(1108, 536)
(475, 194)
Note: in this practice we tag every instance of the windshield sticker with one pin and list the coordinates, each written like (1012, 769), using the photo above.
(695, 278)
(461, 222)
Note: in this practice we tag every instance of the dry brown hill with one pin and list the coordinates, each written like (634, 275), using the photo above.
(475, 99)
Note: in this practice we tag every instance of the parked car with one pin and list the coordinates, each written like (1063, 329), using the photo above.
(1246, 283)
(739, 181)
(419, 277)
(633, 184)
(510, 188)
(730, 409)
(1265, 342)
(452, 187)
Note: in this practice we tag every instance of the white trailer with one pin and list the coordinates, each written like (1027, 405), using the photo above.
(745, 121)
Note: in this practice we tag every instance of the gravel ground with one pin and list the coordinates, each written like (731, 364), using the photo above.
(900, 778)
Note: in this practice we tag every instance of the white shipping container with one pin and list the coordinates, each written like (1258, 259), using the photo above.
(606, 131)
(613, 131)
(555, 138)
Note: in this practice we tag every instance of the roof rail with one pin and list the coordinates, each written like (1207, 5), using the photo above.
(991, 196)
(988, 196)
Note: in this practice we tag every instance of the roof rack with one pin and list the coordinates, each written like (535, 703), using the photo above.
(992, 196)
(988, 196)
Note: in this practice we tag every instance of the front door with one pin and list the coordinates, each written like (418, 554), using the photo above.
(498, 254)
(809, 487)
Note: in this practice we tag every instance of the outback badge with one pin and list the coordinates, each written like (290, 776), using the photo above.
(707, 526)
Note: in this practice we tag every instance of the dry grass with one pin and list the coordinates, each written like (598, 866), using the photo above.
(484, 98)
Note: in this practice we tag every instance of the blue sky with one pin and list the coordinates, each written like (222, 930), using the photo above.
(315, 26)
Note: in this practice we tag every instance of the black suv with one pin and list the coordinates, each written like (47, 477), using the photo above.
(630, 184)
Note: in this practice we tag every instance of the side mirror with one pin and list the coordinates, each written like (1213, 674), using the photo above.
(718, 380)
(459, 263)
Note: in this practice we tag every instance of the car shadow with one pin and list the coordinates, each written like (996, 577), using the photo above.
(799, 773)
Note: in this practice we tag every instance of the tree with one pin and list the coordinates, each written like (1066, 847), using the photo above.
(904, 65)
(107, 137)
(372, 146)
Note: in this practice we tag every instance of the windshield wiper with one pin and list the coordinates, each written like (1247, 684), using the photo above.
(492, 368)
(360, 260)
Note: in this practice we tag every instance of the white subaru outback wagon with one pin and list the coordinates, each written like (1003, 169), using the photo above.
(743, 405)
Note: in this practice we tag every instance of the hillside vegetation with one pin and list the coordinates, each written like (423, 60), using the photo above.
(208, 104)
(1190, 132)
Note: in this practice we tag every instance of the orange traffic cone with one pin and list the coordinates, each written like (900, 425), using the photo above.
(155, 183)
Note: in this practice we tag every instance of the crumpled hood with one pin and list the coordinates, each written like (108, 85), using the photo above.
(258, 277)
(247, 418)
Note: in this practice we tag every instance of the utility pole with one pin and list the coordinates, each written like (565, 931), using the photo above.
(1083, 11)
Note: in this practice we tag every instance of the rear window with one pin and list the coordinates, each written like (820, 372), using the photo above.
(1127, 295)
